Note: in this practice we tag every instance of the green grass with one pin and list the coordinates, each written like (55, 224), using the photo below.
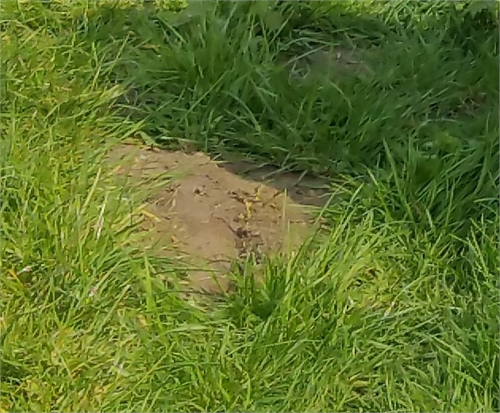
(393, 308)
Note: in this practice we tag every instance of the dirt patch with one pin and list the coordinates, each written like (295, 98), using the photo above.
(302, 189)
(336, 61)
(210, 216)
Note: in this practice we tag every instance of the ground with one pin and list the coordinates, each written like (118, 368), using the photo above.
(210, 216)
(249, 206)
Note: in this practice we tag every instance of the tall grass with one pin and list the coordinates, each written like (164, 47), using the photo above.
(395, 308)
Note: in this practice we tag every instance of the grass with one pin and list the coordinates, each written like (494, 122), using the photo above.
(394, 308)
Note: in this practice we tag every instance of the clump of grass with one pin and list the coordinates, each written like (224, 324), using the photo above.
(322, 123)
(395, 308)
(375, 318)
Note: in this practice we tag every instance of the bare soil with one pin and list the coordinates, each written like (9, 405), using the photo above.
(335, 61)
(210, 215)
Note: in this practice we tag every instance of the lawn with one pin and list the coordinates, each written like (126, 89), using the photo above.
(392, 305)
